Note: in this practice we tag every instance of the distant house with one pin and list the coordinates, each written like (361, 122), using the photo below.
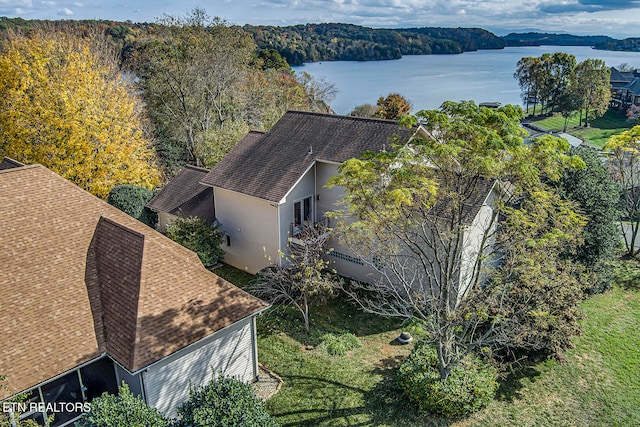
(184, 196)
(90, 297)
(625, 88)
(272, 185)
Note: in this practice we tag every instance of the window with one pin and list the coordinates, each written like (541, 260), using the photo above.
(65, 395)
(63, 390)
(302, 211)
(302, 214)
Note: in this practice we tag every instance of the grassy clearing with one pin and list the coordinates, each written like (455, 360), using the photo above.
(596, 134)
(599, 385)
(233, 275)
(323, 390)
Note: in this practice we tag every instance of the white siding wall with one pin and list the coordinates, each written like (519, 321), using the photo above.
(472, 243)
(252, 226)
(228, 352)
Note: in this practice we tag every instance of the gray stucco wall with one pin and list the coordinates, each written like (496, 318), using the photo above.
(251, 225)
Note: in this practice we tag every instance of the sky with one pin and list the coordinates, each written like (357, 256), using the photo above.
(615, 18)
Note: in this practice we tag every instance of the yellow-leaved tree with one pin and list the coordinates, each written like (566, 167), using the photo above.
(65, 104)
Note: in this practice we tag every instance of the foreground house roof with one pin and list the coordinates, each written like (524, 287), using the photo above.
(268, 165)
(79, 278)
(185, 196)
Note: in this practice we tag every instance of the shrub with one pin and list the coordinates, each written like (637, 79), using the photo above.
(469, 386)
(193, 233)
(224, 402)
(598, 195)
(132, 199)
(125, 409)
(339, 345)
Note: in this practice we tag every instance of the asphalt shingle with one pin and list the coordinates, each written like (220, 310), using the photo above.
(79, 278)
(268, 165)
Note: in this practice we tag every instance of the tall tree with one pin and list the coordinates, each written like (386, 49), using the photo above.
(624, 165)
(528, 75)
(561, 67)
(191, 75)
(593, 87)
(205, 88)
(597, 195)
(408, 211)
(545, 79)
(364, 110)
(65, 104)
(392, 107)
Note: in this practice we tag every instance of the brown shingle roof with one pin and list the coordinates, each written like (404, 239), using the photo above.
(268, 165)
(185, 196)
(68, 260)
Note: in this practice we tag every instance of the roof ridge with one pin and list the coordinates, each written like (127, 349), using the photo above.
(122, 226)
(344, 116)
(197, 168)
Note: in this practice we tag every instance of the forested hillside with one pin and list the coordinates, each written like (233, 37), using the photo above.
(550, 39)
(347, 42)
(630, 44)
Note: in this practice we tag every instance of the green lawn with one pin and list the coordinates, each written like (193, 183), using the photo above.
(596, 134)
(233, 275)
(599, 385)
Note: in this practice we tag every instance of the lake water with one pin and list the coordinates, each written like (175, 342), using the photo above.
(429, 80)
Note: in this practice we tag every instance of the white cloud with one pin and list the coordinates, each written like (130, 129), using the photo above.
(16, 4)
(65, 12)
(48, 3)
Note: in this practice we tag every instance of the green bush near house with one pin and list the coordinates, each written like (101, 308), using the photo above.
(132, 199)
(125, 409)
(224, 402)
(469, 387)
(204, 239)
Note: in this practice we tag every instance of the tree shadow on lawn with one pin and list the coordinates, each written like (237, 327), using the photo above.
(611, 120)
(384, 404)
(335, 316)
(510, 386)
(388, 405)
(324, 402)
